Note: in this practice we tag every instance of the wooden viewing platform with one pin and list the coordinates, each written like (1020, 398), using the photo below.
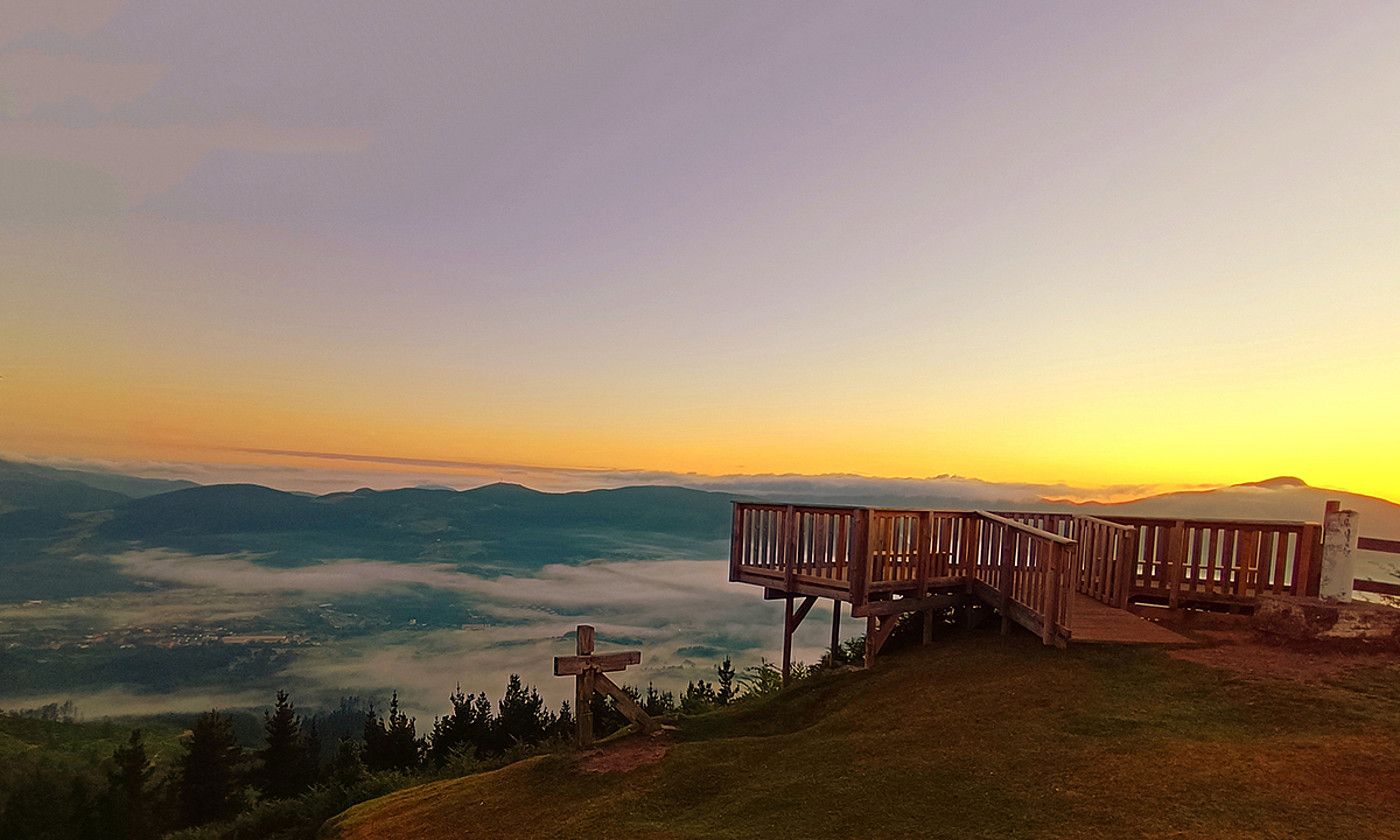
(1062, 576)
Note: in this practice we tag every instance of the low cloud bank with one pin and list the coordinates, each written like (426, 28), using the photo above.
(684, 615)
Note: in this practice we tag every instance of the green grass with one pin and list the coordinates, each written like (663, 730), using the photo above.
(973, 737)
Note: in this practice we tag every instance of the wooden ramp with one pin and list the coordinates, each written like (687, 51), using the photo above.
(1092, 621)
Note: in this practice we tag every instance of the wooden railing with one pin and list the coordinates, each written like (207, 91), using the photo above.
(1214, 560)
(1028, 564)
(871, 556)
(1026, 572)
(1377, 587)
(1107, 551)
(813, 545)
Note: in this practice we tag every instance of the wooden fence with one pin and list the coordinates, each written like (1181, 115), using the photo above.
(872, 557)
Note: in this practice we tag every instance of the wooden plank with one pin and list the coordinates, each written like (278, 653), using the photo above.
(835, 629)
(1004, 549)
(625, 704)
(789, 546)
(1176, 559)
(802, 611)
(1302, 567)
(1280, 560)
(568, 666)
(1018, 526)
(872, 626)
(1377, 586)
(912, 587)
(858, 576)
(923, 539)
(877, 632)
(1052, 594)
(787, 638)
(1099, 623)
(899, 606)
(1127, 567)
(736, 541)
(773, 585)
(1378, 544)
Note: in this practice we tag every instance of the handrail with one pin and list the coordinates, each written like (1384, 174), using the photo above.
(1378, 544)
(1378, 587)
(1214, 521)
(1119, 525)
(1022, 527)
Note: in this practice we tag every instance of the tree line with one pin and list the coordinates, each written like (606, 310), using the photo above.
(307, 768)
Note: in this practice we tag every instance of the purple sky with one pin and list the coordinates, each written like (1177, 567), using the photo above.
(721, 237)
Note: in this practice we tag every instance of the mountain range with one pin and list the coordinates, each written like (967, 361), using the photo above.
(49, 516)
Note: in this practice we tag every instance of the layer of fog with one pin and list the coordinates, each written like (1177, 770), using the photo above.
(683, 615)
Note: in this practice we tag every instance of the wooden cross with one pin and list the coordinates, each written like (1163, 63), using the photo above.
(587, 669)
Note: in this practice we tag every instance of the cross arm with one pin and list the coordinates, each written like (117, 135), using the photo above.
(565, 666)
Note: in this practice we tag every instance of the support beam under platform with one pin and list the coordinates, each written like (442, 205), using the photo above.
(791, 619)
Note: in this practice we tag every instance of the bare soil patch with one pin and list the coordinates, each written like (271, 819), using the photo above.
(627, 754)
(1245, 652)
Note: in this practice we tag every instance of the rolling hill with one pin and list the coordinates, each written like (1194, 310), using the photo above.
(973, 737)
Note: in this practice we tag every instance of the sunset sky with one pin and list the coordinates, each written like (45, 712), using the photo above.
(1097, 244)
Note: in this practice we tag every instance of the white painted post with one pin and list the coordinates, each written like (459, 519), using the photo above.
(1340, 531)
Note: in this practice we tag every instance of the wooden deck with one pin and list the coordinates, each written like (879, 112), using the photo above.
(1092, 621)
(1062, 576)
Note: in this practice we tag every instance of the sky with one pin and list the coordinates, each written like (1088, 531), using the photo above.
(1092, 244)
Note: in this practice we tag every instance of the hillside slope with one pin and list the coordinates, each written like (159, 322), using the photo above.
(980, 737)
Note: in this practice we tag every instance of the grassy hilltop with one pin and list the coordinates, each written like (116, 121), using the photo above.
(973, 737)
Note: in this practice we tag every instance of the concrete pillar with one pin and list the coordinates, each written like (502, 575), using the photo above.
(1340, 531)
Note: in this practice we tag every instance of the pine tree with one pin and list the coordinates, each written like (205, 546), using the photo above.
(311, 753)
(726, 674)
(658, 702)
(564, 722)
(392, 745)
(209, 770)
(283, 760)
(522, 717)
(128, 780)
(466, 730)
(347, 769)
(699, 696)
(374, 738)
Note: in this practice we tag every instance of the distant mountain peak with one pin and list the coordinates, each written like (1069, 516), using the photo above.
(502, 488)
(1276, 482)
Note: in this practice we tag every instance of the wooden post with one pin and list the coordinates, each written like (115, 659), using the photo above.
(1303, 567)
(858, 572)
(928, 626)
(1176, 559)
(1052, 594)
(583, 688)
(787, 638)
(923, 551)
(970, 547)
(789, 547)
(1007, 546)
(791, 619)
(1340, 533)
(736, 542)
(835, 629)
(872, 629)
